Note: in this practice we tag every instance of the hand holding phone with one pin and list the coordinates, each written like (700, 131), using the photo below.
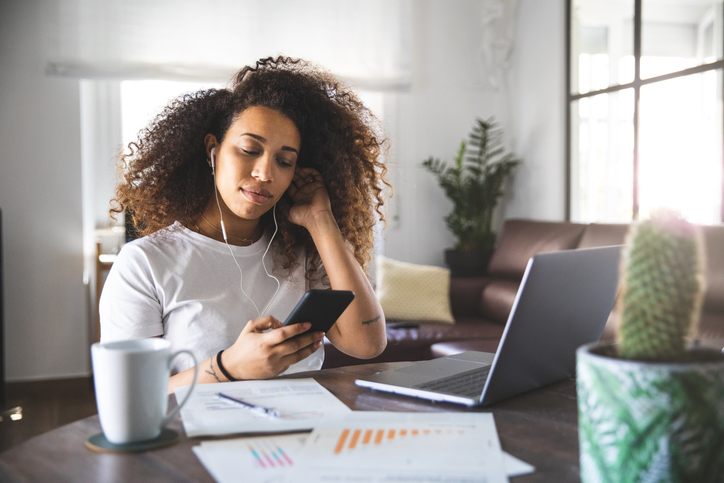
(321, 308)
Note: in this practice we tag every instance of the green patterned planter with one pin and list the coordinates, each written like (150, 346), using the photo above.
(649, 421)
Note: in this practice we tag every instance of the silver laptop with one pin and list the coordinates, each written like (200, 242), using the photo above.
(562, 303)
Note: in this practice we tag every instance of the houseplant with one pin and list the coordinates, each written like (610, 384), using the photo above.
(474, 184)
(649, 408)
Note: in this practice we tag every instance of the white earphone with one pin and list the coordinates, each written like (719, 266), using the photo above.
(223, 232)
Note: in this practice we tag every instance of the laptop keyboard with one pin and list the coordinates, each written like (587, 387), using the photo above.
(469, 384)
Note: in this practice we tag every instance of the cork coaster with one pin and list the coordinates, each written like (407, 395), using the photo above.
(100, 444)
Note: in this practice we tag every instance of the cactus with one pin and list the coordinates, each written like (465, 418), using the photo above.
(661, 289)
(655, 412)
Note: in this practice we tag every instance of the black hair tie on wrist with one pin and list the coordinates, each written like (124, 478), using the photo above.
(222, 369)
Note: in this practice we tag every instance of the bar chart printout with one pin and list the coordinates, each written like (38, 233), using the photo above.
(268, 454)
(377, 446)
(263, 459)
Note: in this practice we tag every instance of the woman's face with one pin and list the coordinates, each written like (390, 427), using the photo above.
(255, 163)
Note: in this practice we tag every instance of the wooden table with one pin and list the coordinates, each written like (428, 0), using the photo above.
(540, 427)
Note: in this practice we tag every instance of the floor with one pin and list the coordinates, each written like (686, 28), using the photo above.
(46, 405)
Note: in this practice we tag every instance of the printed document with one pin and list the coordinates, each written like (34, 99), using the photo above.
(302, 403)
(268, 459)
(367, 446)
(264, 459)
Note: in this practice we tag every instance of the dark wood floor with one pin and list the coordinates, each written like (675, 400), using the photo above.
(46, 405)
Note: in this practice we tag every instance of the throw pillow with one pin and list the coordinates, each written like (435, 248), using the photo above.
(407, 291)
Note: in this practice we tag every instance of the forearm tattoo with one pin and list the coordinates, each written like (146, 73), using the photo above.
(371, 321)
(211, 371)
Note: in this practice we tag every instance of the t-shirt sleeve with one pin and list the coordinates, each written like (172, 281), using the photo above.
(129, 304)
(319, 280)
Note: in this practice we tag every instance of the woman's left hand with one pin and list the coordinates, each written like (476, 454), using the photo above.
(310, 197)
(360, 331)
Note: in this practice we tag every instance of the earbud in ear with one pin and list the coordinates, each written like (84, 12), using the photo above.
(213, 161)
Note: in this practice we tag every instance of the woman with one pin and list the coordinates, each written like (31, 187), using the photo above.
(284, 162)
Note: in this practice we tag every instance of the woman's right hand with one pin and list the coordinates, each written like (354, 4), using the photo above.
(259, 353)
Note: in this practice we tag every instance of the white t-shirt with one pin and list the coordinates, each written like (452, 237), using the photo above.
(185, 287)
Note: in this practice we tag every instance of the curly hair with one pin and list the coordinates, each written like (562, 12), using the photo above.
(165, 176)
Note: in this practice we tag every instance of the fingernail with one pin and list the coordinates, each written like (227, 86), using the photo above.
(307, 325)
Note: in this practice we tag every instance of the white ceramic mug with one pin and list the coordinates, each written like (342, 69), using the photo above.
(131, 383)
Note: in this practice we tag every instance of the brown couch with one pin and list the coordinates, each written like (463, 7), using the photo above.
(481, 305)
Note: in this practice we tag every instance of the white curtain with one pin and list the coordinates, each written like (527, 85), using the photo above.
(366, 42)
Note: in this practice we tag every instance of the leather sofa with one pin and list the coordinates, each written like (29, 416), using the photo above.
(481, 305)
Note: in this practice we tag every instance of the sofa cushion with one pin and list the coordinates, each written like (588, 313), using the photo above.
(426, 334)
(497, 299)
(521, 239)
(412, 343)
(603, 234)
(465, 293)
(464, 328)
(407, 291)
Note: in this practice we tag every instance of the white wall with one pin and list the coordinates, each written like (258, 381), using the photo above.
(449, 92)
(46, 322)
(47, 310)
(537, 123)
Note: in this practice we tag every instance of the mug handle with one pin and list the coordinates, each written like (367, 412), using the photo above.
(173, 413)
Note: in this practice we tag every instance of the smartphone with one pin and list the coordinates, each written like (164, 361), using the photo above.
(320, 307)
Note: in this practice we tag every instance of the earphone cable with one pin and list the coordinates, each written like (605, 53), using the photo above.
(223, 232)
(276, 228)
(231, 251)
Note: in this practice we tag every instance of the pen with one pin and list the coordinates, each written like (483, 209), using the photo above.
(272, 413)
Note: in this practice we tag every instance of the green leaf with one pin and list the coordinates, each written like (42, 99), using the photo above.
(474, 183)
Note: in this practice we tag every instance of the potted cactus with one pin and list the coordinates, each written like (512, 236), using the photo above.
(651, 408)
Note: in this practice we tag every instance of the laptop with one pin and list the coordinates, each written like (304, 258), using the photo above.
(563, 302)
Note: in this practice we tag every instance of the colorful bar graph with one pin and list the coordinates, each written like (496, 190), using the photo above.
(277, 458)
(350, 438)
(268, 459)
(285, 456)
(268, 455)
(256, 456)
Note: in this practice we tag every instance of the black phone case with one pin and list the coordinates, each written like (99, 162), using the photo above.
(320, 307)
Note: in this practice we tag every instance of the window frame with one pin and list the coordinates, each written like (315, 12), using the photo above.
(636, 85)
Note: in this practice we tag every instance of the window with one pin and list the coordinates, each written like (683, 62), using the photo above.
(141, 100)
(645, 109)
